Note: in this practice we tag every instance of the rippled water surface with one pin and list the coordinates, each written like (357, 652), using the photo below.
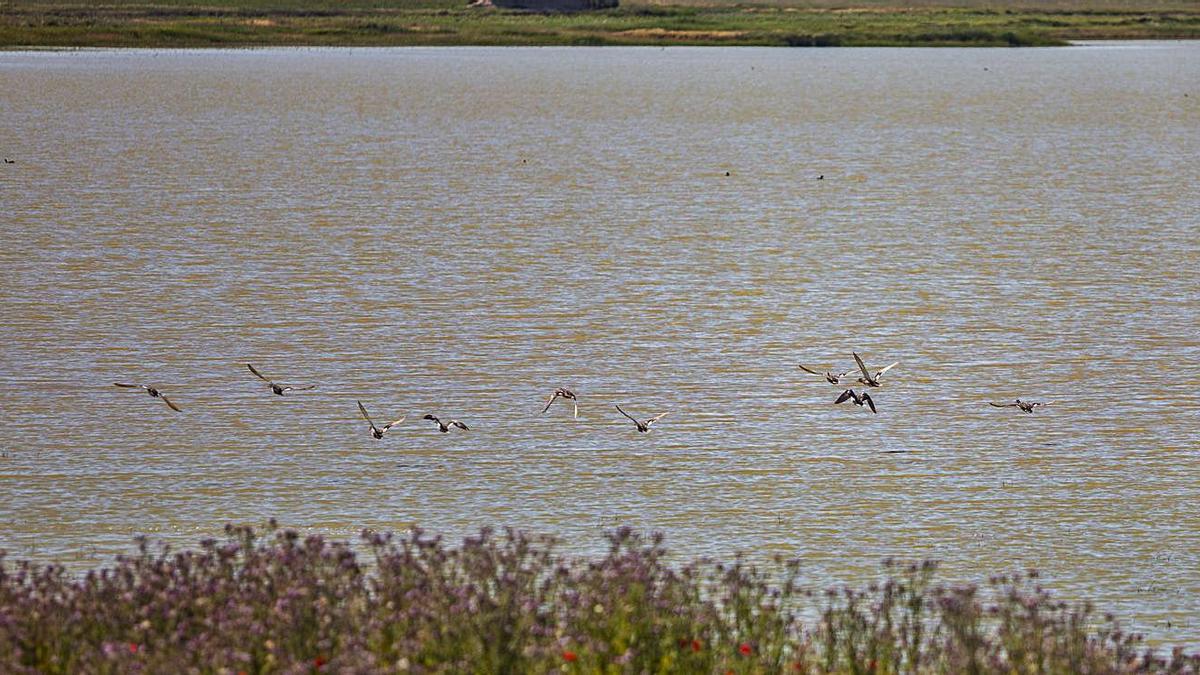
(460, 231)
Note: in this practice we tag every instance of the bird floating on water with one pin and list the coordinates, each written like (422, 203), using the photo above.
(1025, 406)
(565, 394)
(641, 426)
(154, 393)
(377, 432)
(867, 378)
(445, 426)
(859, 399)
(832, 378)
(278, 389)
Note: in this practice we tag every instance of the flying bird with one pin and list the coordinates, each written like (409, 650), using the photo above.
(377, 432)
(154, 393)
(1025, 406)
(278, 389)
(867, 378)
(565, 394)
(832, 378)
(445, 426)
(641, 426)
(859, 399)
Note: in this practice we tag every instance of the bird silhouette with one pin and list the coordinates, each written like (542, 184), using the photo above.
(867, 378)
(859, 399)
(278, 389)
(641, 426)
(566, 394)
(1025, 406)
(377, 432)
(830, 377)
(154, 393)
(445, 426)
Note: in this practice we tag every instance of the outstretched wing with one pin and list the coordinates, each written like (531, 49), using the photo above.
(631, 417)
(807, 370)
(365, 416)
(845, 395)
(549, 401)
(460, 425)
(861, 366)
(871, 404)
(129, 386)
(656, 418)
(886, 369)
(389, 425)
(170, 405)
(257, 374)
(1002, 405)
(311, 386)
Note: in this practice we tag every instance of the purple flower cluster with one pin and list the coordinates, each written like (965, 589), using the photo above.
(508, 603)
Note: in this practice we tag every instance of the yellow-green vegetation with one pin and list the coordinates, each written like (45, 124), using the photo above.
(237, 23)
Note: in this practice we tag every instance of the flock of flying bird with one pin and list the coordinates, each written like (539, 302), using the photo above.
(279, 390)
(867, 379)
(378, 432)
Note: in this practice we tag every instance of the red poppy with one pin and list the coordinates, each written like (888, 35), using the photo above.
(569, 656)
(745, 649)
(319, 661)
(133, 647)
(696, 645)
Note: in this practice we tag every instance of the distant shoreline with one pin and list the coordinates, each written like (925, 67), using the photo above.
(31, 24)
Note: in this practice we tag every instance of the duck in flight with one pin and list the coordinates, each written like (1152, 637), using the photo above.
(376, 432)
(565, 394)
(867, 378)
(154, 393)
(641, 426)
(278, 389)
(859, 399)
(1025, 406)
(832, 378)
(445, 426)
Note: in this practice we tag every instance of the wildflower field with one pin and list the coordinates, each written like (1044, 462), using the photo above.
(508, 603)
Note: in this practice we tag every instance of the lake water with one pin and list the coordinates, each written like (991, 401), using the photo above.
(460, 231)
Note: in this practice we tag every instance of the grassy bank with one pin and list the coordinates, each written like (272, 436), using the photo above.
(510, 604)
(224, 23)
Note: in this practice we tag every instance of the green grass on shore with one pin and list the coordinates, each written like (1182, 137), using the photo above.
(243, 23)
